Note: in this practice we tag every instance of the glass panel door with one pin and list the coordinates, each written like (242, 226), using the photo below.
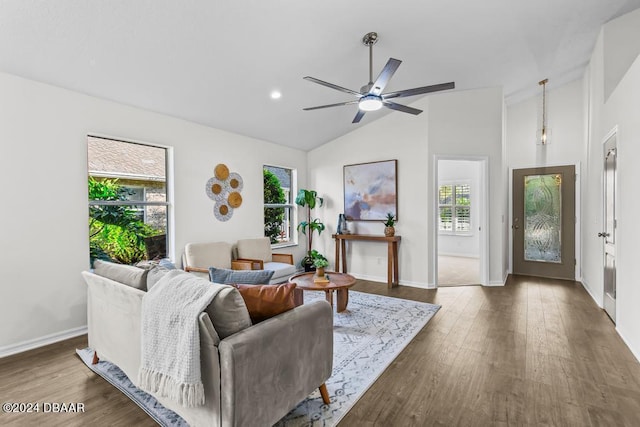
(543, 218)
(543, 225)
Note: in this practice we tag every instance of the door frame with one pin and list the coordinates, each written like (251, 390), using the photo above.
(578, 213)
(613, 132)
(483, 222)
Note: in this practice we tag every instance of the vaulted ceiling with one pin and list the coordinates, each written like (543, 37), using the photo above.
(216, 62)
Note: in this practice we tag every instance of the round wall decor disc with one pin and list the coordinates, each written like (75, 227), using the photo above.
(235, 199)
(222, 211)
(234, 183)
(221, 172)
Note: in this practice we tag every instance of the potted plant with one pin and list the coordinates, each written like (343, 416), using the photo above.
(389, 223)
(309, 199)
(320, 264)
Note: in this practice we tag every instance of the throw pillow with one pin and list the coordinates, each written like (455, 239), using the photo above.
(166, 263)
(248, 277)
(228, 312)
(126, 274)
(267, 301)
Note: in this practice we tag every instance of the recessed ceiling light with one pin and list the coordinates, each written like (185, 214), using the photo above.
(276, 94)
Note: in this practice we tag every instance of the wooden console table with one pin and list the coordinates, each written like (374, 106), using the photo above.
(392, 253)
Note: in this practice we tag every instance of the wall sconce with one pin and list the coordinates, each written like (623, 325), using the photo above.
(542, 136)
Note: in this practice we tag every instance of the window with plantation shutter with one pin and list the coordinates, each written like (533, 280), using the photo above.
(454, 204)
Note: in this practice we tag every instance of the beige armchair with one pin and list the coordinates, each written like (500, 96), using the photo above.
(198, 257)
(258, 253)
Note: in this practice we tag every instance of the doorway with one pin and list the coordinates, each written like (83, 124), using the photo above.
(461, 221)
(543, 225)
(609, 233)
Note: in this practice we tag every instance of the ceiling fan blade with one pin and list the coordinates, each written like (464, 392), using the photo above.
(400, 107)
(332, 86)
(359, 116)
(331, 105)
(419, 90)
(385, 75)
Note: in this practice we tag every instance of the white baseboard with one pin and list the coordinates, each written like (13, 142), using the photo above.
(587, 288)
(494, 283)
(635, 353)
(417, 285)
(41, 341)
(459, 255)
(498, 282)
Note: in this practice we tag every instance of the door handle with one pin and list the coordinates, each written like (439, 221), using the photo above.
(604, 234)
(516, 226)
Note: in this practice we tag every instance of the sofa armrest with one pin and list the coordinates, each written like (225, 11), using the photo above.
(267, 369)
(241, 265)
(189, 269)
(256, 264)
(285, 258)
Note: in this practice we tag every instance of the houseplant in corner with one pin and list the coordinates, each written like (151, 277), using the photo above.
(389, 229)
(309, 199)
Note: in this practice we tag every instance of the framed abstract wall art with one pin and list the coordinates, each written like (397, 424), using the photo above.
(370, 190)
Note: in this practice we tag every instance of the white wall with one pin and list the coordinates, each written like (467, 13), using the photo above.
(620, 36)
(566, 121)
(43, 168)
(621, 109)
(456, 123)
(469, 123)
(462, 171)
(395, 136)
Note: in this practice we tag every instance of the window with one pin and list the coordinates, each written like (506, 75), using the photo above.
(128, 203)
(454, 201)
(278, 204)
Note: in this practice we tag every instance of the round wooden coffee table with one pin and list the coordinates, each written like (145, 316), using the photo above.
(339, 282)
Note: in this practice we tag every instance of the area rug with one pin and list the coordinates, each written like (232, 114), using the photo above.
(367, 338)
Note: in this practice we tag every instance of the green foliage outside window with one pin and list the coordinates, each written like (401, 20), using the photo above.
(273, 217)
(116, 233)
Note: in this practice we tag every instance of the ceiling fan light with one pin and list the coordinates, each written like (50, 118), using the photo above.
(370, 103)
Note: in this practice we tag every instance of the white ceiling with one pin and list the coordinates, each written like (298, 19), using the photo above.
(215, 62)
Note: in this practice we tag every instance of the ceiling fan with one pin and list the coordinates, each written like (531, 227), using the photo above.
(370, 97)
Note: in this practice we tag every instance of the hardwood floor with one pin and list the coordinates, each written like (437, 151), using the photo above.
(535, 352)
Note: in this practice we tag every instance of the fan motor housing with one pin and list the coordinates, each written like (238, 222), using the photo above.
(370, 38)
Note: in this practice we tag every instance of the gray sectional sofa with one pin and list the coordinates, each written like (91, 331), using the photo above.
(253, 375)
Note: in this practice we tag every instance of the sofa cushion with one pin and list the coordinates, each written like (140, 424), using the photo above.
(259, 248)
(125, 274)
(281, 271)
(230, 277)
(228, 312)
(204, 255)
(265, 301)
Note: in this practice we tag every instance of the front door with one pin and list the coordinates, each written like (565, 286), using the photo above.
(609, 233)
(544, 222)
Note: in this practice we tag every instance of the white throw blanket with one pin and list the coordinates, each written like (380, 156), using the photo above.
(170, 337)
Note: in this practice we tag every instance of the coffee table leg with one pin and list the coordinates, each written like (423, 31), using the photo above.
(329, 296)
(342, 299)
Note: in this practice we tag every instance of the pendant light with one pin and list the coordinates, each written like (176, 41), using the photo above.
(543, 134)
